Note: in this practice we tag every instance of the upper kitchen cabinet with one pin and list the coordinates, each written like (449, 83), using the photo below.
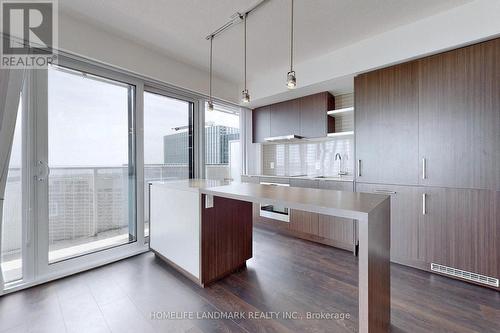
(386, 117)
(261, 123)
(285, 118)
(305, 116)
(314, 121)
(459, 118)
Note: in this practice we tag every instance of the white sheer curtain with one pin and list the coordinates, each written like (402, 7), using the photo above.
(11, 81)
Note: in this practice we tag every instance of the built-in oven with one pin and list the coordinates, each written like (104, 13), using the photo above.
(275, 212)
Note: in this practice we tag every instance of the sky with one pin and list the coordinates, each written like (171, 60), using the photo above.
(88, 122)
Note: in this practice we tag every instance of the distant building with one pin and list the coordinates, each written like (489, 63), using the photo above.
(217, 137)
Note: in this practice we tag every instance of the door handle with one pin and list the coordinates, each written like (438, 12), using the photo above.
(44, 170)
(424, 208)
(424, 167)
(359, 168)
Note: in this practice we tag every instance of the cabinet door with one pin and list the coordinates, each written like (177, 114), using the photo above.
(406, 207)
(459, 117)
(313, 116)
(460, 229)
(250, 179)
(308, 183)
(285, 118)
(304, 222)
(338, 229)
(261, 124)
(386, 120)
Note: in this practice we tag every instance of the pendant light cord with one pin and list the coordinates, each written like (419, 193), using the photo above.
(245, 48)
(210, 80)
(291, 39)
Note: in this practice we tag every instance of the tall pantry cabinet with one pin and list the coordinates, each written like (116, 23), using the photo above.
(428, 134)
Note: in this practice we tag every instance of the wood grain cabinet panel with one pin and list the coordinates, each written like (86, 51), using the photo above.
(314, 121)
(305, 116)
(461, 229)
(459, 117)
(285, 118)
(250, 179)
(304, 222)
(261, 124)
(386, 116)
(307, 183)
(339, 230)
(406, 207)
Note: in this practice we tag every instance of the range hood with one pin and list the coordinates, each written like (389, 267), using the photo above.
(283, 138)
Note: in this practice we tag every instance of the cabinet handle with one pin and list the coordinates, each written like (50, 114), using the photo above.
(385, 191)
(424, 197)
(424, 167)
(359, 168)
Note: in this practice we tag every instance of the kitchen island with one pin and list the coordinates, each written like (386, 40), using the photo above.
(222, 216)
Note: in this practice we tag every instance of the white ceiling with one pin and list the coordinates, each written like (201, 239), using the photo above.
(178, 28)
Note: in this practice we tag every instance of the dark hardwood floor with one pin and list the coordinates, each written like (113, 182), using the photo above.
(285, 274)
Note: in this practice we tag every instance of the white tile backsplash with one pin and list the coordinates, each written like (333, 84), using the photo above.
(308, 158)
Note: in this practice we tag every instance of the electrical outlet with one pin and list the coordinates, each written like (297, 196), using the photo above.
(271, 165)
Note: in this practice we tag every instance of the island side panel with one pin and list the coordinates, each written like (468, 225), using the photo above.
(175, 228)
(226, 237)
(374, 270)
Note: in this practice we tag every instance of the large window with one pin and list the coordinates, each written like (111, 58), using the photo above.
(91, 187)
(168, 141)
(12, 220)
(222, 143)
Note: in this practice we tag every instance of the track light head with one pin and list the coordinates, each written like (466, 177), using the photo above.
(291, 81)
(210, 106)
(245, 96)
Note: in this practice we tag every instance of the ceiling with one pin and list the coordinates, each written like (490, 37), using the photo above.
(177, 28)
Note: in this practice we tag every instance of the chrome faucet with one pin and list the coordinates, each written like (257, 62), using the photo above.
(339, 158)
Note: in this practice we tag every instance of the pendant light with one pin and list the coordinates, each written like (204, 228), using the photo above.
(210, 102)
(245, 96)
(291, 80)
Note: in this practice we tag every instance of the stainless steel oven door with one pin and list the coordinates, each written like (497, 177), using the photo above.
(275, 212)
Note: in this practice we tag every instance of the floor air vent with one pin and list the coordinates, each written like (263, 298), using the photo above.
(464, 274)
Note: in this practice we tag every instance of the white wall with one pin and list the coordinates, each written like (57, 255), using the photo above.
(77, 37)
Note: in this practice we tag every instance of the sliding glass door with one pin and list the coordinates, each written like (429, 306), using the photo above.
(91, 184)
(85, 158)
(168, 140)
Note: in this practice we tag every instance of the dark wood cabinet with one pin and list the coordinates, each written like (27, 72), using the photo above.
(305, 116)
(261, 123)
(386, 116)
(285, 118)
(459, 117)
(461, 229)
(314, 121)
(406, 207)
(429, 131)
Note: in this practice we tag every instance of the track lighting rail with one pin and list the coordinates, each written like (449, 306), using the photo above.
(236, 18)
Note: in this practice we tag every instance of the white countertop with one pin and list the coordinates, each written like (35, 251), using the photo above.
(329, 202)
(338, 179)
